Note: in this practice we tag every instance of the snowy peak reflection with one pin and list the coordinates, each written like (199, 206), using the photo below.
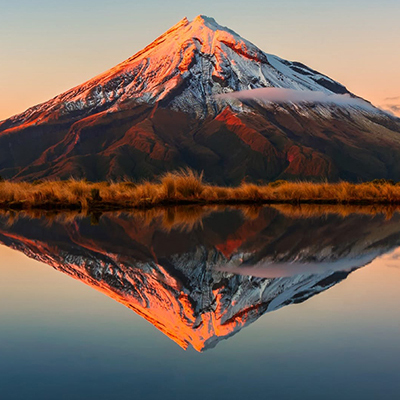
(201, 275)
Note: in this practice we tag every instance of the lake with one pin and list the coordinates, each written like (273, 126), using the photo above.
(201, 303)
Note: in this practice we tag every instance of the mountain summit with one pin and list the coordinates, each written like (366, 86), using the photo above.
(159, 110)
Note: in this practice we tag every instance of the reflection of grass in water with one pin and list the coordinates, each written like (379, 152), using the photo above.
(186, 218)
(344, 210)
(187, 187)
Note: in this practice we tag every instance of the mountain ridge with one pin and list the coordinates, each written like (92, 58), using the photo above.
(158, 111)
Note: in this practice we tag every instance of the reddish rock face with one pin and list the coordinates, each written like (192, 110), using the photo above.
(144, 142)
(158, 111)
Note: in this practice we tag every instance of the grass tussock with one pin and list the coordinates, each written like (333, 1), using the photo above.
(187, 187)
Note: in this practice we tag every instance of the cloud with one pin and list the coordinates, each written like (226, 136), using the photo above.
(392, 105)
(278, 95)
(392, 98)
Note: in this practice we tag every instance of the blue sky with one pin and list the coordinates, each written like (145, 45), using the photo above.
(48, 46)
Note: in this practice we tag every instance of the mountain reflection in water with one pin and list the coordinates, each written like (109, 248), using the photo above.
(200, 275)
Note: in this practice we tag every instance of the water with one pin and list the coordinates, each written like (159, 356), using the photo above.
(268, 303)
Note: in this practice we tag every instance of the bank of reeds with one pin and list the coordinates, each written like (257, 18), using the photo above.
(187, 187)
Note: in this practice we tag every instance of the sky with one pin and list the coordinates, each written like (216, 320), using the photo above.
(49, 46)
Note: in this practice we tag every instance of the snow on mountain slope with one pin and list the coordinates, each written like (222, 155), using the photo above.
(185, 67)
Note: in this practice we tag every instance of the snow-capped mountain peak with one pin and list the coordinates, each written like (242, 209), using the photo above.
(185, 68)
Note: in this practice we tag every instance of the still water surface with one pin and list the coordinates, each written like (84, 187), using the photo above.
(230, 304)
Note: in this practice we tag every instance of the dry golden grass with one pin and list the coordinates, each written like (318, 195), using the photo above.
(187, 187)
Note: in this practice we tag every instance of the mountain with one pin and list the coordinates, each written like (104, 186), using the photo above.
(204, 284)
(157, 111)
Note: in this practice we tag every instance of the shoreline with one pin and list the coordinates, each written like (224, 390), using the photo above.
(148, 205)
